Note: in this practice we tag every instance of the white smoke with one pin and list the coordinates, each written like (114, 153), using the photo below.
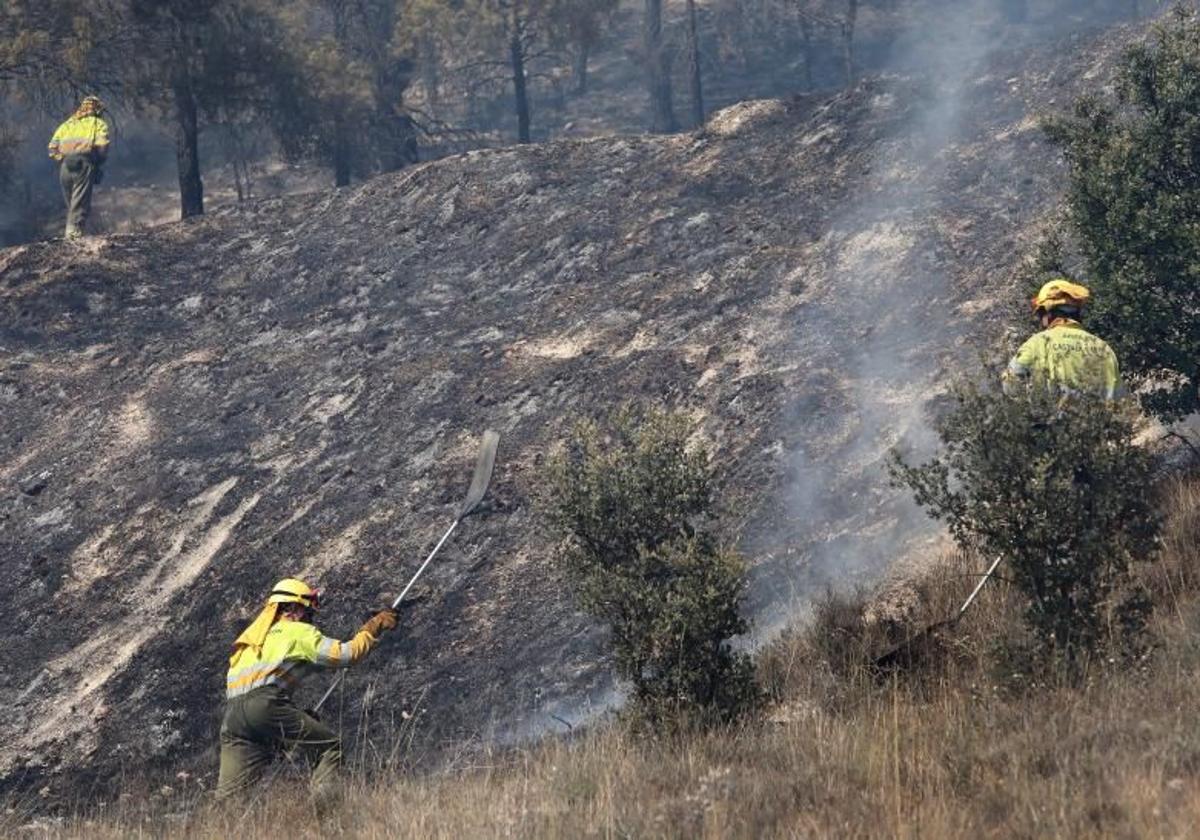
(882, 322)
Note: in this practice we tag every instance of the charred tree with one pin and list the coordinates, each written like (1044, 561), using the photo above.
(848, 23)
(579, 68)
(398, 146)
(394, 140)
(430, 64)
(697, 87)
(520, 81)
(341, 152)
(575, 27)
(171, 71)
(199, 62)
(806, 48)
(658, 70)
(187, 143)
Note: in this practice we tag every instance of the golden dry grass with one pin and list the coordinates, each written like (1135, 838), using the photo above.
(960, 748)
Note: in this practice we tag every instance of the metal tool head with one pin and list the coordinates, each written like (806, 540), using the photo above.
(913, 649)
(484, 464)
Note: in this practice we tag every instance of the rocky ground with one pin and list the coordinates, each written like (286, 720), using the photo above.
(297, 386)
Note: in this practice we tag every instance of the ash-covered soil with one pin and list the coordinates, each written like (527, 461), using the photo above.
(298, 387)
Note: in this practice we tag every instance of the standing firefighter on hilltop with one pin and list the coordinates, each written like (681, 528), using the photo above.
(80, 145)
(1064, 355)
(270, 658)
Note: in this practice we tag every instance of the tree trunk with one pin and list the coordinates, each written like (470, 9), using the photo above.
(237, 181)
(516, 54)
(694, 66)
(806, 47)
(848, 24)
(239, 160)
(341, 152)
(341, 132)
(579, 68)
(398, 143)
(187, 145)
(658, 70)
(429, 75)
(401, 147)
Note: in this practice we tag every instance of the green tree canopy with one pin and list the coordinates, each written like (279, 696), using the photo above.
(1058, 488)
(1134, 204)
(632, 501)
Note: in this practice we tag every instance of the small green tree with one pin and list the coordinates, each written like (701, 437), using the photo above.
(632, 502)
(1134, 204)
(1061, 491)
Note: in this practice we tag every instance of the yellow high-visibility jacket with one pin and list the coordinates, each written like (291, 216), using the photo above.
(1070, 358)
(80, 136)
(292, 650)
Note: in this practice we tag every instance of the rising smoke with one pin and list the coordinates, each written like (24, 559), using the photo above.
(885, 321)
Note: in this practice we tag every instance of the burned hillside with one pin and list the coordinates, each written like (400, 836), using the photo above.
(297, 387)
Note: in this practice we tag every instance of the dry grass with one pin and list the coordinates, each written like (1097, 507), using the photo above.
(960, 748)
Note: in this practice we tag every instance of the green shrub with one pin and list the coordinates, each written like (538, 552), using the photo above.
(1134, 207)
(632, 503)
(1063, 493)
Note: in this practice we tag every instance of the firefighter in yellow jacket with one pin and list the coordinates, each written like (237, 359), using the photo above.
(270, 659)
(80, 145)
(1064, 355)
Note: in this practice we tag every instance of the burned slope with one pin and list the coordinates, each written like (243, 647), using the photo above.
(297, 388)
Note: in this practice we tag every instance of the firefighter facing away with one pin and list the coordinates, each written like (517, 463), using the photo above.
(1064, 355)
(80, 145)
(270, 658)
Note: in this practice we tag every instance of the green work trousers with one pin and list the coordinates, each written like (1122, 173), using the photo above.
(77, 175)
(263, 724)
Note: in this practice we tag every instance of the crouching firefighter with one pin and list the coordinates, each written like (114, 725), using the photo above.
(1065, 356)
(270, 659)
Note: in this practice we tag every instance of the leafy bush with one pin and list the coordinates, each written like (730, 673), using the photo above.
(632, 503)
(1062, 492)
(1134, 204)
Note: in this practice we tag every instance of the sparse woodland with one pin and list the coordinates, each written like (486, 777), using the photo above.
(360, 87)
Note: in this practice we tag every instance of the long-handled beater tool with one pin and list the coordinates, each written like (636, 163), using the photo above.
(907, 649)
(484, 464)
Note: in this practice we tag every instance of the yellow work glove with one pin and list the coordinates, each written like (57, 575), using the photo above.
(381, 622)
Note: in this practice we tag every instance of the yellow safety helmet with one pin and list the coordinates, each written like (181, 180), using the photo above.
(293, 591)
(90, 105)
(1060, 292)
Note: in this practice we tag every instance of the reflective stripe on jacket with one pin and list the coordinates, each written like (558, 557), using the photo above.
(1069, 357)
(79, 136)
(292, 650)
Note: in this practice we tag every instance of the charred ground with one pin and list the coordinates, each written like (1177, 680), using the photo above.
(296, 387)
